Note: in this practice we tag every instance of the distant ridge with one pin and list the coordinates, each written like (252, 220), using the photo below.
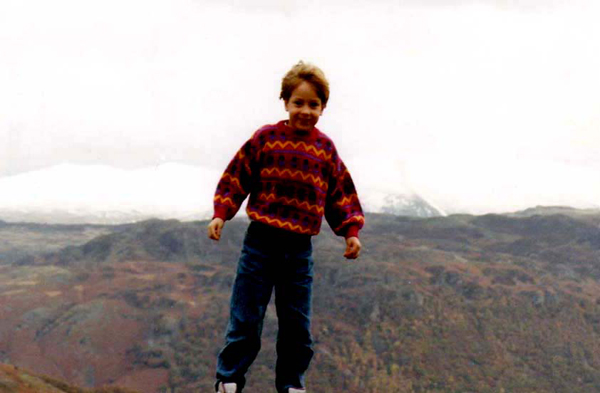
(550, 210)
(150, 240)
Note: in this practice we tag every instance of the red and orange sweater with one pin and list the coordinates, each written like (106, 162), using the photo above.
(294, 178)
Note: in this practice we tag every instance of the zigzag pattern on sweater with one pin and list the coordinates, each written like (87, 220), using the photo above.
(292, 201)
(278, 223)
(224, 201)
(294, 179)
(232, 180)
(347, 200)
(240, 156)
(288, 145)
(295, 175)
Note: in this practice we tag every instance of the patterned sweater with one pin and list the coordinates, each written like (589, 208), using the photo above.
(293, 177)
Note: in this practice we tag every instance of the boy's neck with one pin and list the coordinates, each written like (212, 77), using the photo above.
(297, 131)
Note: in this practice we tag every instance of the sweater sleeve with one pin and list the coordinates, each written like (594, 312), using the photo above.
(235, 183)
(342, 207)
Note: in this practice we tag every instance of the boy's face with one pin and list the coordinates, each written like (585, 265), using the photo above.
(304, 107)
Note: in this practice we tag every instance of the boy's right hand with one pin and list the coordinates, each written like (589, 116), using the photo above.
(214, 228)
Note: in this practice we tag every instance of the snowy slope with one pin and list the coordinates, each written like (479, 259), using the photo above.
(69, 193)
(398, 203)
(72, 193)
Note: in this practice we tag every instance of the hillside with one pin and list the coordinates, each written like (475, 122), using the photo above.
(18, 240)
(17, 380)
(448, 304)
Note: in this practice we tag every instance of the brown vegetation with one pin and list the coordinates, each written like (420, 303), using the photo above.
(450, 304)
(18, 380)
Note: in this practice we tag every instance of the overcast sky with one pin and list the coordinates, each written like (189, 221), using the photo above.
(477, 105)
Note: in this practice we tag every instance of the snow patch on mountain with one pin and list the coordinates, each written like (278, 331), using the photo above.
(400, 204)
(104, 194)
(100, 194)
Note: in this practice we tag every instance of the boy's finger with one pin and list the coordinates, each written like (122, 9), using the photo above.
(350, 253)
(213, 233)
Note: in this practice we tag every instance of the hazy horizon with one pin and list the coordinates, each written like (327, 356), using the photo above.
(70, 193)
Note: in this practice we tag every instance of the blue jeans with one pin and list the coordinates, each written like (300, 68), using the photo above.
(270, 258)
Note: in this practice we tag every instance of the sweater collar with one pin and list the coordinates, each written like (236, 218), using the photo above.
(312, 134)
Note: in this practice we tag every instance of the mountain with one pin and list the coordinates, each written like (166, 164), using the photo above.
(100, 194)
(150, 240)
(72, 216)
(552, 210)
(461, 303)
(411, 205)
(19, 240)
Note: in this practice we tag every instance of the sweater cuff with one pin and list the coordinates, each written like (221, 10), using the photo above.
(220, 212)
(352, 231)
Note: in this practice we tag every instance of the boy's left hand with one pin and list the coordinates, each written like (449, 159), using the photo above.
(353, 247)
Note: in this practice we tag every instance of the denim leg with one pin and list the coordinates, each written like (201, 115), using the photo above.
(252, 290)
(293, 293)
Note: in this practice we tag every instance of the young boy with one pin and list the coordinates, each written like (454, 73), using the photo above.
(293, 175)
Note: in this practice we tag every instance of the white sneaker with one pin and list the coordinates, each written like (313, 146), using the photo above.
(295, 390)
(230, 387)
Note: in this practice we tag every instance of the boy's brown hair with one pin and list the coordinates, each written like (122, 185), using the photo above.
(305, 72)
